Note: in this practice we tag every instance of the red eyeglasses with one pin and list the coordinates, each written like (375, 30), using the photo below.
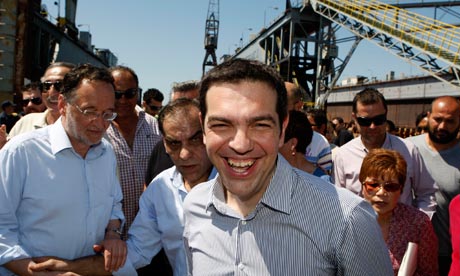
(374, 186)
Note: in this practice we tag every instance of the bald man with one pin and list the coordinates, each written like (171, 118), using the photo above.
(440, 149)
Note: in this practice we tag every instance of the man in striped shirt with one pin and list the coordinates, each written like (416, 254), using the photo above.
(261, 216)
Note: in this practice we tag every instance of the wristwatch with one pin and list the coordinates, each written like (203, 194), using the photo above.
(116, 230)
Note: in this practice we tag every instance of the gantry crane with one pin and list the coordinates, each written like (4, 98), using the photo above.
(211, 35)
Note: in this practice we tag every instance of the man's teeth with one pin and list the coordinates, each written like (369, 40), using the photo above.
(240, 164)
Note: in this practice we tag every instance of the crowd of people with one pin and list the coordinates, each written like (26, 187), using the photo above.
(230, 176)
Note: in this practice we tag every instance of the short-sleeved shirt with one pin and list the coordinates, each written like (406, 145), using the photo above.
(132, 163)
(419, 188)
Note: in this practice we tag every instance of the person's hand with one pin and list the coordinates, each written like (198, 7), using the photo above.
(114, 251)
(50, 263)
(3, 136)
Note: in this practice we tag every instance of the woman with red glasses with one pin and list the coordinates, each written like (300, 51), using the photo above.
(382, 175)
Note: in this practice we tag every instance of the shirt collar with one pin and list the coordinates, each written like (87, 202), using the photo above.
(60, 141)
(58, 137)
(278, 193)
(178, 182)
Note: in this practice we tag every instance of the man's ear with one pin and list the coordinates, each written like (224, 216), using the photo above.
(293, 143)
(62, 104)
(283, 131)
(202, 128)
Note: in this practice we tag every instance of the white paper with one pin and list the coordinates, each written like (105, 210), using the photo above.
(409, 261)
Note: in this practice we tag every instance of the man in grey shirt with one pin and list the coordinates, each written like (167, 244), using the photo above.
(440, 150)
(261, 216)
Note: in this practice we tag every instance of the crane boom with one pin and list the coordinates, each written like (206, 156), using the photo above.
(211, 35)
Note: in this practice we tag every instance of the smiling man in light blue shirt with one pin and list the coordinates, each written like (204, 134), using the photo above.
(59, 193)
(159, 222)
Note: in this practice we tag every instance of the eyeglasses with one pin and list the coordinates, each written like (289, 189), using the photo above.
(373, 186)
(35, 101)
(377, 120)
(155, 108)
(93, 115)
(129, 93)
(46, 85)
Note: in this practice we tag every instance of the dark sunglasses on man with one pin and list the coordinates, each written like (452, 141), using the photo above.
(46, 85)
(35, 101)
(129, 93)
(377, 120)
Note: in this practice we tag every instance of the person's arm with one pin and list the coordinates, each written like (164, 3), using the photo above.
(90, 265)
(361, 243)
(423, 185)
(114, 249)
(3, 136)
(23, 268)
(12, 253)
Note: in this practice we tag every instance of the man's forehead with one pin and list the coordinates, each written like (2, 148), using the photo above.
(31, 91)
(191, 132)
(56, 71)
(373, 106)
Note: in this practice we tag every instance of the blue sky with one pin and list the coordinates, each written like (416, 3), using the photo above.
(163, 40)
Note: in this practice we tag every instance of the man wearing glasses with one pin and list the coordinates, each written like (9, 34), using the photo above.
(133, 135)
(73, 203)
(151, 101)
(370, 113)
(32, 101)
(51, 83)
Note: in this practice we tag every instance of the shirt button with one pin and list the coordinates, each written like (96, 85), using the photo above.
(243, 222)
(240, 266)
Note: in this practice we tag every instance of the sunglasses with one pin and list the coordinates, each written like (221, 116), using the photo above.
(373, 186)
(46, 85)
(35, 101)
(377, 120)
(129, 94)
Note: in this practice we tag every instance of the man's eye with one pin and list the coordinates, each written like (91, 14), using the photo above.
(197, 140)
(173, 144)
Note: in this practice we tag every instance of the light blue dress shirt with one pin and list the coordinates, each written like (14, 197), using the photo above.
(159, 224)
(52, 201)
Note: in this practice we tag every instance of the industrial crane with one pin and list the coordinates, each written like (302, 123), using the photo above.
(211, 35)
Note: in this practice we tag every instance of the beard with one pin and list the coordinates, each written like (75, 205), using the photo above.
(442, 136)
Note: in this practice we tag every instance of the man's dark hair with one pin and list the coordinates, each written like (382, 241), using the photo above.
(185, 86)
(319, 116)
(89, 72)
(339, 119)
(126, 69)
(32, 86)
(181, 105)
(152, 94)
(369, 96)
(391, 126)
(420, 117)
(238, 70)
(299, 127)
(298, 94)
